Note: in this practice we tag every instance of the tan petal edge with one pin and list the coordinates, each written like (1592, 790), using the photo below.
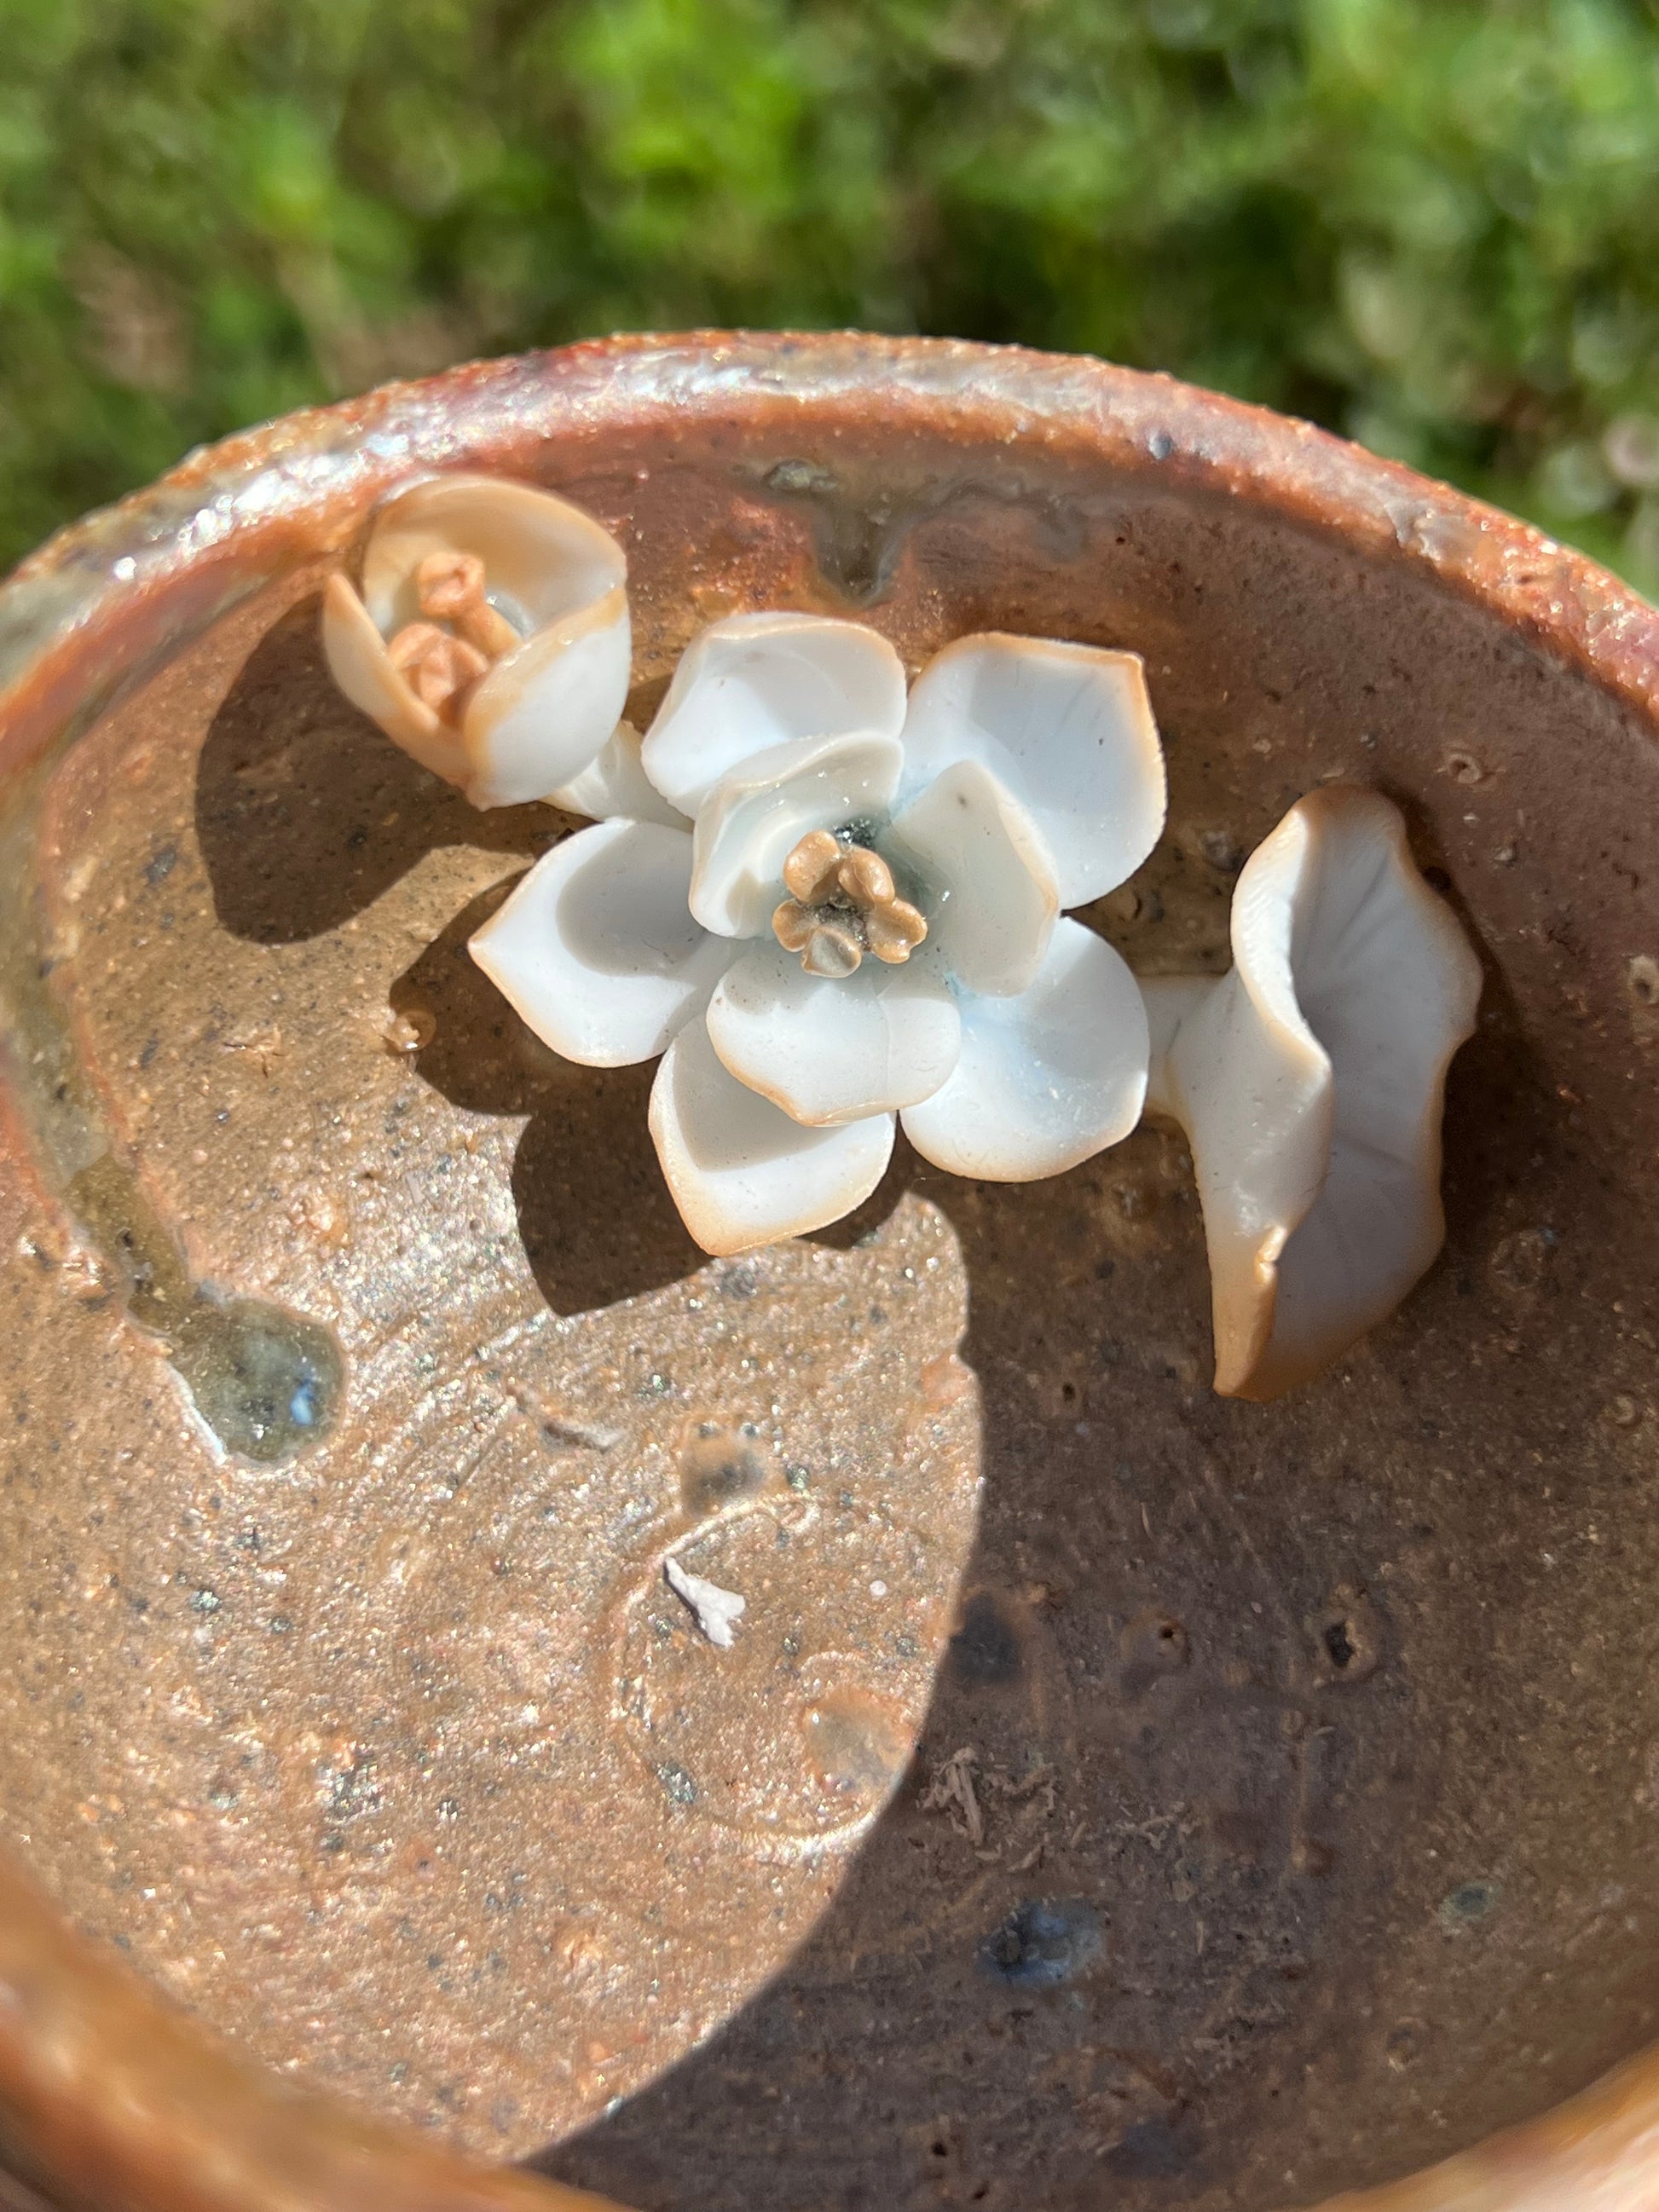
(362, 669)
(500, 690)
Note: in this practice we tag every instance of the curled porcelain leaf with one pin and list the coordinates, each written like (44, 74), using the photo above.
(1310, 1081)
(489, 636)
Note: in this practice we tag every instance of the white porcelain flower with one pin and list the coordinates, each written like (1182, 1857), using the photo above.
(490, 636)
(846, 908)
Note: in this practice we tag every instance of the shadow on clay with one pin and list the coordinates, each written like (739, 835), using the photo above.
(306, 814)
(594, 1213)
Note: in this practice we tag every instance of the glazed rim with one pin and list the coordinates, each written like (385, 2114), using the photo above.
(108, 2095)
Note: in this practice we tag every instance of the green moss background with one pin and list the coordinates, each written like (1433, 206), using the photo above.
(1432, 225)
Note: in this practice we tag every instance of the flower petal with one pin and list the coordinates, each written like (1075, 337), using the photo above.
(544, 558)
(830, 1051)
(754, 682)
(742, 1172)
(540, 715)
(616, 784)
(1067, 729)
(597, 949)
(978, 852)
(758, 814)
(1046, 1079)
(362, 667)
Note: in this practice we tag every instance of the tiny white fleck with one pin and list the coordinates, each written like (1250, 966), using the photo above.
(125, 568)
(878, 1590)
(715, 1608)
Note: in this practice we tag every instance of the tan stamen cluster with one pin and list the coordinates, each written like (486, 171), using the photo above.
(843, 904)
(442, 657)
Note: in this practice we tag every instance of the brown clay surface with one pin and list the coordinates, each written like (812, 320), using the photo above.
(1317, 1748)
(400, 1757)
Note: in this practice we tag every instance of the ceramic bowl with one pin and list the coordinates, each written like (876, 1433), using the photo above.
(373, 1835)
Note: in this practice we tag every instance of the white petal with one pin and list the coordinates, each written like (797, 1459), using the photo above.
(597, 949)
(616, 784)
(1067, 728)
(757, 680)
(756, 816)
(1310, 1081)
(987, 882)
(741, 1171)
(1046, 1079)
(541, 715)
(834, 1049)
(544, 557)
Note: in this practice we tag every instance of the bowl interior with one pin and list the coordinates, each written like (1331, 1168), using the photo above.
(362, 1370)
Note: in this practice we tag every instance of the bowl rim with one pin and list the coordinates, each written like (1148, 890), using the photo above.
(108, 2095)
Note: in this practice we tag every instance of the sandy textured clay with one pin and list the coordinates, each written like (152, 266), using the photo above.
(400, 1760)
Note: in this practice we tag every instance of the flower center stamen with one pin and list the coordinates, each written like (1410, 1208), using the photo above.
(442, 656)
(844, 903)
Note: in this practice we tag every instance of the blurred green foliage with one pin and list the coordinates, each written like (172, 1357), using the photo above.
(1432, 224)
